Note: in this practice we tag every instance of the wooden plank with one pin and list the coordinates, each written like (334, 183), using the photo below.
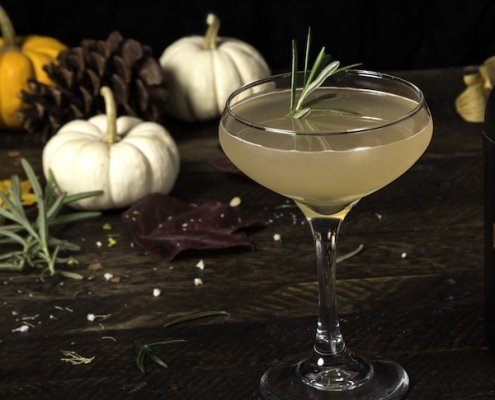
(423, 309)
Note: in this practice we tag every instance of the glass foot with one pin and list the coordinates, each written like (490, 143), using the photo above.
(352, 377)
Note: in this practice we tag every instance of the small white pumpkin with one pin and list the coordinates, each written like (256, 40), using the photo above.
(201, 72)
(124, 157)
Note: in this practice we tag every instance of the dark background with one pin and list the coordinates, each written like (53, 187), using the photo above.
(383, 35)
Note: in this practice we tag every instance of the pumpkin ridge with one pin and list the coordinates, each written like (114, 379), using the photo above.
(238, 73)
(253, 53)
(244, 73)
(144, 160)
(147, 131)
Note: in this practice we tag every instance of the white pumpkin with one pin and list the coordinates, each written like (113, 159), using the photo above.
(124, 157)
(201, 72)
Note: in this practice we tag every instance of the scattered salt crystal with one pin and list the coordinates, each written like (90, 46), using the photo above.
(22, 329)
(277, 237)
(403, 255)
(200, 264)
(14, 313)
(157, 292)
(198, 281)
(378, 216)
(108, 276)
(98, 244)
(235, 202)
(91, 317)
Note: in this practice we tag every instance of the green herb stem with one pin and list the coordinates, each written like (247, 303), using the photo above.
(322, 68)
(145, 349)
(39, 249)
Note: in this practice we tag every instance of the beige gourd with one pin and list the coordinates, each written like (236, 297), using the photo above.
(202, 72)
(124, 157)
(471, 103)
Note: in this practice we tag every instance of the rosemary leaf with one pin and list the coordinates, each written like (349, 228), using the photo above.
(164, 342)
(80, 196)
(71, 275)
(144, 350)
(293, 84)
(14, 237)
(50, 189)
(318, 81)
(15, 217)
(140, 360)
(56, 206)
(322, 69)
(38, 192)
(157, 360)
(38, 249)
(64, 244)
(306, 56)
(302, 113)
(74, 217)
(352, 253)
(15, 192)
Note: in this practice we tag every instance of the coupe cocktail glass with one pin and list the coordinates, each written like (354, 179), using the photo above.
(378, 127)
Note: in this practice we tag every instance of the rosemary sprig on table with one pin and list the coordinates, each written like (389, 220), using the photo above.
(323, 67)
(37, 248)
(145, 350)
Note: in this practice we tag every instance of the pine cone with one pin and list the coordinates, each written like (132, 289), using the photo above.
(125, 65)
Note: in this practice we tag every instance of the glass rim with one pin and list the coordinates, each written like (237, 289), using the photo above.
(287, 75)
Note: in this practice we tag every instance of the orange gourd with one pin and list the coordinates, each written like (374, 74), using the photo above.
(21, 58)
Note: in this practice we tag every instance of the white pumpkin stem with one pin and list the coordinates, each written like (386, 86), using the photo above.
(7, 29)
(211, 36)
(111, 113)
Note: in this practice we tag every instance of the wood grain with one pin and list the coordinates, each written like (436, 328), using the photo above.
(414, 294)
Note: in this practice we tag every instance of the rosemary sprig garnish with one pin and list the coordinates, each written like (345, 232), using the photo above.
(323, 67)
(37, 248)
(145, 350)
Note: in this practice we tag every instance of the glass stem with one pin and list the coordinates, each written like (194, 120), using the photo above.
(329, 340)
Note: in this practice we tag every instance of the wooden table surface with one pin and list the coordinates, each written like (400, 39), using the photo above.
(414, 294)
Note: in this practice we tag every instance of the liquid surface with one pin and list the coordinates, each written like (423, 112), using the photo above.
(326, 171)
